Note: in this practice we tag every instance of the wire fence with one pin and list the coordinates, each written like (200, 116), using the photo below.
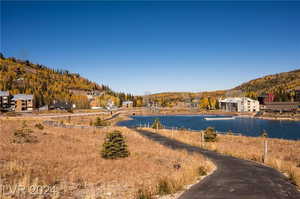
(148, 125)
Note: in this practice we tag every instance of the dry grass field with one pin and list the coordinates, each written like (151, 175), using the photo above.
(80, 120)
(70, 161)
(89, 120)
(283, 155)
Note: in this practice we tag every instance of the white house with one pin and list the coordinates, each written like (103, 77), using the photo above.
(127, 104)
(239, 104)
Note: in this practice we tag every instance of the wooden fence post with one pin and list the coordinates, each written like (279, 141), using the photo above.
(202, 139)
(265, 157)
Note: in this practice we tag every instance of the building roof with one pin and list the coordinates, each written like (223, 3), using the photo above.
(236, 99)
(22, 97)
(281, 105)
(4, 93)
(231, 100)
(60, 105)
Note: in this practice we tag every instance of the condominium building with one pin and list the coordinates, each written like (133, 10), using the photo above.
(22, 102)
(4, 101)
(239, 104)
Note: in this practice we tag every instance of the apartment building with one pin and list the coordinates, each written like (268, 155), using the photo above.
(5, 100)
(22, 103)
(239, 104)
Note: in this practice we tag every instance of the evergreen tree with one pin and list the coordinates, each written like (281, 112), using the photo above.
(99, 122)
(115, 146)
(156, 124)
(210, 134)
(264, 134)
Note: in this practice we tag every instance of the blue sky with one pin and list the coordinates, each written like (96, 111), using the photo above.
(156, 46)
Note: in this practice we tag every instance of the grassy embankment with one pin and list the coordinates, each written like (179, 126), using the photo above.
(70, 159)
(107, 119)
(283, 155)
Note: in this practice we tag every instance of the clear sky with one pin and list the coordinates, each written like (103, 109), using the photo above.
(156, 46)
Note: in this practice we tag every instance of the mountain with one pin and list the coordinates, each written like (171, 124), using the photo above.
(282, 85)
(18, 76)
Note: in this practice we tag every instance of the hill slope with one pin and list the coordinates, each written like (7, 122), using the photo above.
(281, 83)
(46, 84)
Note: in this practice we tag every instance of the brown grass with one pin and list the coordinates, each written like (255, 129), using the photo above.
(282, 154)
(80, 120)
(70, 159)
(91, 119)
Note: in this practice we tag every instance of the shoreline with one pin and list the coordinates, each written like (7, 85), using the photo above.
(131, 117)
(217, 113)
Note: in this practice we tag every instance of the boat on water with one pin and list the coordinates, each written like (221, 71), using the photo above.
(219, 118)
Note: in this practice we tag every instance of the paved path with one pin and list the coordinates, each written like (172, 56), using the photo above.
(234, 178)
(58, 115)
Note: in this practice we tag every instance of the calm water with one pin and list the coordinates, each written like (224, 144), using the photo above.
(246, 126)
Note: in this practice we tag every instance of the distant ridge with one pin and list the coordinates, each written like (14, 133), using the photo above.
(281, 84)
(272, 83)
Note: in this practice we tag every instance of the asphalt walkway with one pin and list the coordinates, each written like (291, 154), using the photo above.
(234, 178)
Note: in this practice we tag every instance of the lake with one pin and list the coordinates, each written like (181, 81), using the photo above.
(245, 126)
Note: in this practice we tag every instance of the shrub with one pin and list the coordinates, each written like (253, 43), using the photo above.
(156, 124)
(24, 135)
(144, 194)
(182, 129)
(164, 186)
(210, 135)
(39, 126)
(264, 134)
(202, 171)
(115, 146)
(292, 176)
(99, 122)
(24, 124)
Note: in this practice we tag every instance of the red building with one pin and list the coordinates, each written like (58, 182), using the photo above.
(297, 94)
(267, 98)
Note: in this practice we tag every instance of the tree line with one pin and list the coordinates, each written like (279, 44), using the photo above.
(47, 84)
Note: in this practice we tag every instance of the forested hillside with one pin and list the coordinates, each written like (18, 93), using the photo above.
(46, 84)
(282, 85)
(206, 100)
(18, 76)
